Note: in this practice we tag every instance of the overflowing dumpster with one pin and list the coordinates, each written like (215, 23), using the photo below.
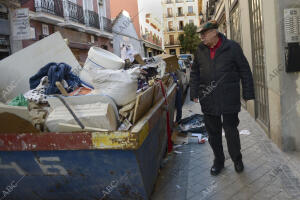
(97, 131)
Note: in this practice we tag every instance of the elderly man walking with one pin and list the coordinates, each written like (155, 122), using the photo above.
(218, 68)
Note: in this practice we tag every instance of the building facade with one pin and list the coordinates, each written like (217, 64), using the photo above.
(147, 27)
(176, 14)
(7, 44)
(260, 29)
(125, 36)
(84, 23)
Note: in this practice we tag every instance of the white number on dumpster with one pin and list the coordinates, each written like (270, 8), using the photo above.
(14, 166)
(51, 169)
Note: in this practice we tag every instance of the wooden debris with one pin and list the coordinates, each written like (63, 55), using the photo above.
(143, 104)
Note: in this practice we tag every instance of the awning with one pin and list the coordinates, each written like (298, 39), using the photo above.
(153, 46)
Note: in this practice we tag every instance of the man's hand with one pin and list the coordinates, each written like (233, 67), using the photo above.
(196, 100)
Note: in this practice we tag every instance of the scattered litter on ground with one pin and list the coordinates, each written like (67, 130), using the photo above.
(245, 132)
(177, 152)
(193, 124)
(177, 146)
(178, 139)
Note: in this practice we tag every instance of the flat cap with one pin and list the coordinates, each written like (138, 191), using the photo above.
(211, 24)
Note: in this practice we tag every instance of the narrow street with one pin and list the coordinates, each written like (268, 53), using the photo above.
(268, 174)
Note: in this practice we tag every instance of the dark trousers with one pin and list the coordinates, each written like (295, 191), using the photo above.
(214, 126)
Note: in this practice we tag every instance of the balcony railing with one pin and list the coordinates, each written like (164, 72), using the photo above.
(169, 15)
(180, 15)
(172, 43)
(171, 29)
(169, 1)
(54, 7)
(92, 19)
(75, 12)
(107, 24)
(191, 14)
(179, 1)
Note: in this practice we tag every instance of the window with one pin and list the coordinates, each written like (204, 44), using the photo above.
(180, 13)
(170, 26)
(190, 9)
(181, 25)
(89, 5)
(171, 38)
(104, 47)
(191, 21)
(170, 13)
(172, 51)
(45, 29)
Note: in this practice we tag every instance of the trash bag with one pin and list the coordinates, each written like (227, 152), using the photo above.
(19, 101)
(193, 124)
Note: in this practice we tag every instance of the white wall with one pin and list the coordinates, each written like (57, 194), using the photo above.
(125, 34)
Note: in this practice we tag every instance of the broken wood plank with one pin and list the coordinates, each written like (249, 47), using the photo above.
(143, 104)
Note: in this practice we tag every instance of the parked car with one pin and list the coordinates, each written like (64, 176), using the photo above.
(187, 57)
(184, 74)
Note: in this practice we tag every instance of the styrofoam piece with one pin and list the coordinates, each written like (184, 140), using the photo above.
(20, 66)
(100, 58)
(83, 99)
(76, 128)
(97, 115)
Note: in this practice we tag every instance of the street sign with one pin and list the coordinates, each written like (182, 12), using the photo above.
(21, 24)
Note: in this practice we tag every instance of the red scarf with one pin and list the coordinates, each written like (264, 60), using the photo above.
(214, 49)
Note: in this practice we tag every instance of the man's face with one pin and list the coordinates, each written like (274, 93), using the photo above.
(208, 36)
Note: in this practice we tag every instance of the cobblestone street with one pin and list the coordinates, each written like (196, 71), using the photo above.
(269, 173)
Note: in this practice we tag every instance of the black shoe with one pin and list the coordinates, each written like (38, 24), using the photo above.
(216, 169)
(239, 166)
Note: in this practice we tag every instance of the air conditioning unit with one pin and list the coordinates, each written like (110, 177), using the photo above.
(100, 2)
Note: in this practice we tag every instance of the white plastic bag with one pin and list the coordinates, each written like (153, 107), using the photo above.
(120, 85)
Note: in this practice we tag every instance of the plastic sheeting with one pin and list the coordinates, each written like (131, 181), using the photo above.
(193, 124)
(120, 85)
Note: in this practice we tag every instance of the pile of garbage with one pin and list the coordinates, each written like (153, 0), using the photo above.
(55, 94)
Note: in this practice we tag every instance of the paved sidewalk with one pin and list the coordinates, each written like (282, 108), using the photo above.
(268, 174)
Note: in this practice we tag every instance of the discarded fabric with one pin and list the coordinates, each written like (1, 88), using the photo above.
(55, 72)
(38, 95)
(19, 101)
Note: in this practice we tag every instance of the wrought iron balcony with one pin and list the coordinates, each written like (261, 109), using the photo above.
(169, 1)
(54, 7)
(191, 14)
(92, 19)
(171, 29)
(172, 43)
(75, 12)
(180, 15)
(107, 24)
(179, 1)
(169, 15)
